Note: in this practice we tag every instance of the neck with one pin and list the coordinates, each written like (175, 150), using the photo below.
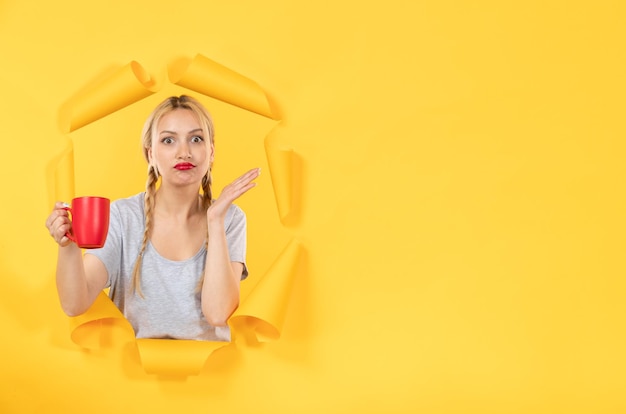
(183, 202)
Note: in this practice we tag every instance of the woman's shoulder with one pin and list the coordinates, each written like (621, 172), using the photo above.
(132, 205)
(235, 209)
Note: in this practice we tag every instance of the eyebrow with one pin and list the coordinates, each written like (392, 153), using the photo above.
(174, 133)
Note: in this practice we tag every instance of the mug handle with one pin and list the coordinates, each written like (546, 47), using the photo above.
(68, 235)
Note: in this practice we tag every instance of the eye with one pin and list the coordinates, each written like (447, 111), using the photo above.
(197, 138)
(167, 140)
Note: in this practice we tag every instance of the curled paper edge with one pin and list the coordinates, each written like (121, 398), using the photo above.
(121, 88)
(212, 79)
(281, 162)
(85, 329)
(60, 175)
(266, 317)
(178, 357)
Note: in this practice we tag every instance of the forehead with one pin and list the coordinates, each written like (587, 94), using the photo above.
(179, 120)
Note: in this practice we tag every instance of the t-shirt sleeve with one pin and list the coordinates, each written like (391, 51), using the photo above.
(235, 229)
(111, 253)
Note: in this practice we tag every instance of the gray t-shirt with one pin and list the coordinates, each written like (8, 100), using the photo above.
(171, 305)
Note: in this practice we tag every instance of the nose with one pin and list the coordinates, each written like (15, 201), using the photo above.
(184, 150)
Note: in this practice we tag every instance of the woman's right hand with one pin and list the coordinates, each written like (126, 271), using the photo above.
(59, 223)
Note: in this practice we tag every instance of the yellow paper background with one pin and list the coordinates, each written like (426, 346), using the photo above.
(459, 196)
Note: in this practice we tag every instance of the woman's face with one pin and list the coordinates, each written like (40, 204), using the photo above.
(181, 150)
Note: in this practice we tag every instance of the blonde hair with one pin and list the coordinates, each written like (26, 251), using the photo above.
(149, 131)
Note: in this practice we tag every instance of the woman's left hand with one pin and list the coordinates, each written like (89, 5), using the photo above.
(217, 210)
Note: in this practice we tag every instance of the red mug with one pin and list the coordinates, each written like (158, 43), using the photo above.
(90, 221)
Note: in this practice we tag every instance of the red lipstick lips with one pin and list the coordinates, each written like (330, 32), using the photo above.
(184, 166)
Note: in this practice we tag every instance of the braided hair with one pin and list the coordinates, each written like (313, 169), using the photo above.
(148, 133)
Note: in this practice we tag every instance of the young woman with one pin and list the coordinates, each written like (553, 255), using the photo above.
(174, 257)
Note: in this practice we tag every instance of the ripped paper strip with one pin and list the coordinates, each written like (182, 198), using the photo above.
(283, 173)
(256, 312)
(212, 79)
(60, 175)
(262, 312)
(122, 88)
(175, 357)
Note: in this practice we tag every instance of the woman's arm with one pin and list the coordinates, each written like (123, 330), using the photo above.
(79, 280)
(220, 290)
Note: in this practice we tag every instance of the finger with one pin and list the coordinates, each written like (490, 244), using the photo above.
(241, 190)
(61, 236)
(248, 176)
(253, 173)
(228, 196)
(60, 208)
(55, 215)
(59, 227)
(64, 241)
(51, 218)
